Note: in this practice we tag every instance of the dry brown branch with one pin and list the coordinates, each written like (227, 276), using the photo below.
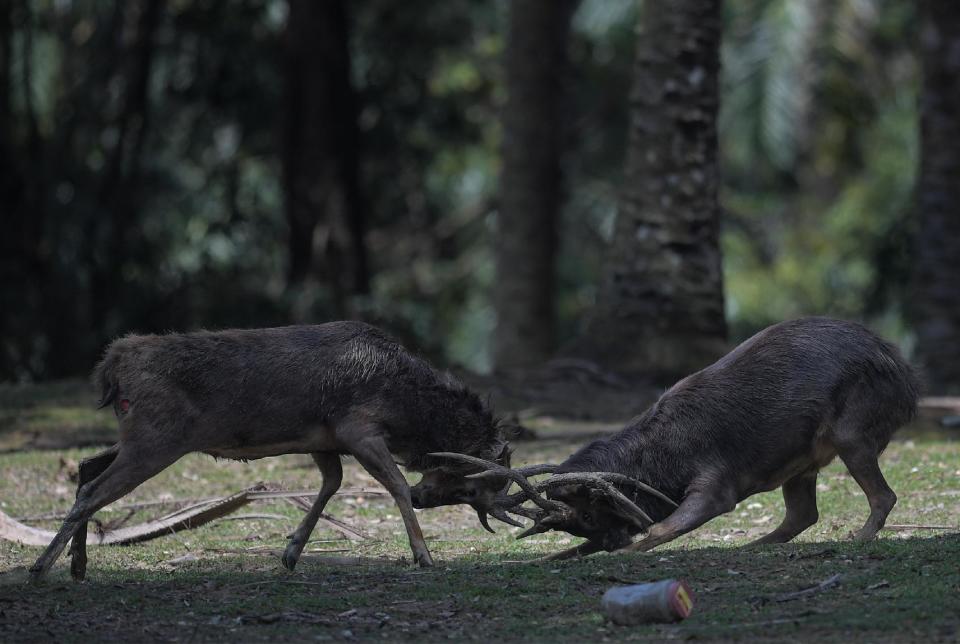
(350, 533)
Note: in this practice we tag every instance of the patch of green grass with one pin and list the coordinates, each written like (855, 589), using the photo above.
(51, 416)
(904, 586)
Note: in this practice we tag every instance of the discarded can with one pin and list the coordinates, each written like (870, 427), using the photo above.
(661, 601)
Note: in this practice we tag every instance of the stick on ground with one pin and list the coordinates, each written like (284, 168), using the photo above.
(813, 590)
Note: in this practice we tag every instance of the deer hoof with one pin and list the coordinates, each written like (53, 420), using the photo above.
(864, 535)
(425, 560)
(291, 556)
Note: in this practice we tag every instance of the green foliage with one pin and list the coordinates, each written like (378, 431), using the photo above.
(818, 136)
(819, 152)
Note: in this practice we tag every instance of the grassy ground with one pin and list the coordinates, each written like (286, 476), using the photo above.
(225, 582)
(51, 416)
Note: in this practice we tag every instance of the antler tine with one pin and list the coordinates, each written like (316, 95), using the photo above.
(536, 528)
(611, 477)
(524, 484)
(620, 479)
(482, 516)
(534, 470)
(525, 471)
(528, 513)
(632, 509)
(628, 508)
(511, 502)
(506, 518)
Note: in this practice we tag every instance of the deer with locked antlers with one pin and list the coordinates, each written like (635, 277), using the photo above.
(326, 390)
(771, 413)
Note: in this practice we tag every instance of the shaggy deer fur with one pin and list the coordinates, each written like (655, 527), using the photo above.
(769, 414)
(325, 390)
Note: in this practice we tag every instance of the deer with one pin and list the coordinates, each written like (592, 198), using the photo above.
(771, 413)
(326, 390)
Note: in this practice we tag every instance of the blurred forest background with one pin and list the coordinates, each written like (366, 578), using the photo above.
(634, 184)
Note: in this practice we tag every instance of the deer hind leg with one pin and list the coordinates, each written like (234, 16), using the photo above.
(332, 473)
(372, 453)
(870, 416)
(90, 468)
(697, 508)
(131, 467)
(800, 499)
(860, 457)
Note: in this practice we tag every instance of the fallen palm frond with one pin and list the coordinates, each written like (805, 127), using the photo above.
(187, 518)
(264, 495)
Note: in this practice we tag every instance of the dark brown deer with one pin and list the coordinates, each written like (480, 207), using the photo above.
(325, 390)
(769, 414)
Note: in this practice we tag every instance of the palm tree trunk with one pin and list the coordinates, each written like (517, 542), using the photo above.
(531, 182)
(937, 276)
(320, 152)
(660, 305)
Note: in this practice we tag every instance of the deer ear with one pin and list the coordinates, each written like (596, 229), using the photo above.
(109, 395)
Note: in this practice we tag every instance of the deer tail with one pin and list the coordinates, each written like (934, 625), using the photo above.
(106, 379)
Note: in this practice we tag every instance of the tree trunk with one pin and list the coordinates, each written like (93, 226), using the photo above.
(11, 183)
(24, 258)
(530, 185)
(6, 65)
(119, 193)
(324, 202)
(660, 305)
(937, 278)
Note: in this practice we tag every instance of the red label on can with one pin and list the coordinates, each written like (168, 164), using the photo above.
(681, 600)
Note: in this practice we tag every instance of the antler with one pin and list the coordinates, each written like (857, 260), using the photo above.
(513, 475)
(554, 513)
(624, 506)
(603, 483)
(568, 478)
(526, 471)
(501, 515)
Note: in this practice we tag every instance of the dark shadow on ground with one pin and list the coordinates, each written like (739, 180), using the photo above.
(889, 590)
